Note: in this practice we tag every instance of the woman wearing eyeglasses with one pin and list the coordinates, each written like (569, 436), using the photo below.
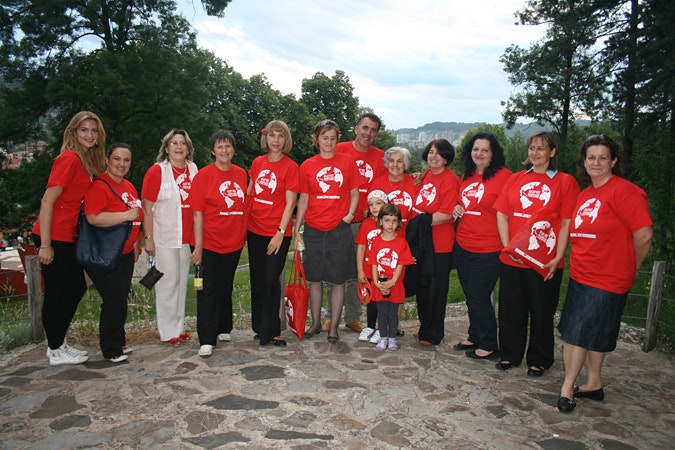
(526, 299)
(611, 233)
(329, 196)
(168, 225)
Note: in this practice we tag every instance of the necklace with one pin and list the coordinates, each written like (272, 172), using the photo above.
(178, 172)
(395, 184)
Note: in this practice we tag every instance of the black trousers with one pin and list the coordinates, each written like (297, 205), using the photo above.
(265, 285)
(432, 300)
(524, 297)
(114, 289)
(64, 288)
(214, 301)
(387, 318)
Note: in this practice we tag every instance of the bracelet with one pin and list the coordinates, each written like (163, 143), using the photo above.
(353, 214)
(281, 230)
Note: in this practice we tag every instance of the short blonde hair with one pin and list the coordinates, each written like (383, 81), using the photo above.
(277, 125)
(163, 154)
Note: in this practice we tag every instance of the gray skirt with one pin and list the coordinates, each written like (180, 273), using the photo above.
(330, 255)
(591, 317)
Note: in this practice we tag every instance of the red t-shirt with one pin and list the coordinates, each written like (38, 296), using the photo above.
(270, 181)
(400, 193)
(387, 255)
(477, 229)
(150, 190)
(370, 165)
(601, 232)
(527, 192)
(368, 230)
(438, 193)
(67, 172)
(220, 196)
(328, 183)
(100, 199)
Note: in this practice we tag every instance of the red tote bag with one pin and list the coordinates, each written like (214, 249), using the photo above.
(535, 244)
(296, 298)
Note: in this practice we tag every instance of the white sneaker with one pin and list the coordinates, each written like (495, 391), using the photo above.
(364, 336)
(119, 358)
(126, 350)
(63, 356)
(205, 350)
(381, 344)
(71, 350)
(225, 337)
(375, 338)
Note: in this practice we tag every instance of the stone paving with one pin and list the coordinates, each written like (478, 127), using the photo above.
(313, 394)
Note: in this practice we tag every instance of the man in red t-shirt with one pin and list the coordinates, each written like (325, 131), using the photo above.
(370, 164)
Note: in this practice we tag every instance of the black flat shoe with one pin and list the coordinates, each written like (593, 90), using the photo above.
(472, 354)
(565, 405)
(332, 339)
(279, 342)
(309, 334)
(598, 395)
(535, 371)
(463, 346)
(503, 365)
(400, 333)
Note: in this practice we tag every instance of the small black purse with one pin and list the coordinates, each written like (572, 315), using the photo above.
(99, 248)
(153, 275)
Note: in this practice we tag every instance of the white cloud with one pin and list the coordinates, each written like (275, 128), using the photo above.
(412, 62)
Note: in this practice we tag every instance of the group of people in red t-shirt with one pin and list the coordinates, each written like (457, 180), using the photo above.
(360, 218)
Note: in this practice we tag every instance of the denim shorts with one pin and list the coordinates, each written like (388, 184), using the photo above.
(591, 317)
(330, 255)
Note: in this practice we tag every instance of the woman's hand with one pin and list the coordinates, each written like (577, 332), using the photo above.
(196, 256)
(384, 287)
(515, 260)
(46, 255)
(552, 266)
(149, 246)
(458, 212)
(275, 243)
(133, 214)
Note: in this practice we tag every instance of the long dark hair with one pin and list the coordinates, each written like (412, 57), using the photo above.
(496, 163)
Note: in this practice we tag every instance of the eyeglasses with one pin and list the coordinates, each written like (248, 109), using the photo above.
(178, 144)
(323, 123)
(537, 149)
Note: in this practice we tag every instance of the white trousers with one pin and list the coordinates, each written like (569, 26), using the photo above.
(171, 290)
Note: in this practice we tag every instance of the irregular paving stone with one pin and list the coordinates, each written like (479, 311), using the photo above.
(186, 367)
(498, 411)
(307, 401)
(230, 356)
(56, 406)
(5, 392)
(283, 435)
(391, 433)
(234, 402)
(339, 384)
(611, 444)
(302, 386)
(346, 423)
(612, 429)
(77, 375)
(23, 371)
(200, 421)
(217, 440)
(170, 379)
(300, 419)
(70, 439)
(15, 381)
(73, 421)
(255, 373)
(561, 444)
(145, 434)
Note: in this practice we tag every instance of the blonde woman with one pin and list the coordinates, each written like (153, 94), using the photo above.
(82, 157)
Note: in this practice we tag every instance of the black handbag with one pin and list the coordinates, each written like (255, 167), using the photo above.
(99, 248)
(152, 276)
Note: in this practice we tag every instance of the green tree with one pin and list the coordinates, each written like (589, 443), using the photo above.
(557, 76)
(332, 98)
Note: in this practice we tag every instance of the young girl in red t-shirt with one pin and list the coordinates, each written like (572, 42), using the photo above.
(387, 257)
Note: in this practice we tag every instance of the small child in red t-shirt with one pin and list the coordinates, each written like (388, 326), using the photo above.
(388, 255)
(368, 230)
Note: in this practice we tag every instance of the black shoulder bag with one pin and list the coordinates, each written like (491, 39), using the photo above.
(99, 248)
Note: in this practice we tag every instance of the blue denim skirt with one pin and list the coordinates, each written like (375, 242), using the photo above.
(591, 317)
(330, 255)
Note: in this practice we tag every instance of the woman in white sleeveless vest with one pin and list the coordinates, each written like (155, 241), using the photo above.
(168, 230)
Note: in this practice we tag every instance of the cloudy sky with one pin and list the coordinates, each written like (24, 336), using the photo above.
(412, 61)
